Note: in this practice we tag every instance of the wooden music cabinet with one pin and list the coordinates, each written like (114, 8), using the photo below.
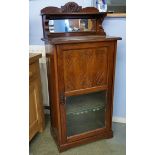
(81, 68)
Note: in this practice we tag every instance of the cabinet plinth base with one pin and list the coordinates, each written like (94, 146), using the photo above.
(67, 145)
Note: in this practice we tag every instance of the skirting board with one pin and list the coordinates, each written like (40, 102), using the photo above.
(119, 119)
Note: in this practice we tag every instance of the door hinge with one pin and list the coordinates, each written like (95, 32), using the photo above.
(62, 98)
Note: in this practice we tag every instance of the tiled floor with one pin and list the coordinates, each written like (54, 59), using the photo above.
(43, 144)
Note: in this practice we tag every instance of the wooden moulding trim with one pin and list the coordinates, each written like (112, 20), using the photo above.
(33, 57)
(86, 134)
(49, 9)
(70, 7)
(85, 90)
(72, 10)
(116, 15)
(72, 34)
(86, 140)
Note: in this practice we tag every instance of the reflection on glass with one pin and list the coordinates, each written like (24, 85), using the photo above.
(85, 112)
(72, 25)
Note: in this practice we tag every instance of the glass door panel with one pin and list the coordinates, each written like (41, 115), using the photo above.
(85, 112)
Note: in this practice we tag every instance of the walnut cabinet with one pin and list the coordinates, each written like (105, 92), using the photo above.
(81, 69)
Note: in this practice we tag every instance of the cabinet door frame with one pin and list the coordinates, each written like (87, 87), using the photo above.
(61, 87)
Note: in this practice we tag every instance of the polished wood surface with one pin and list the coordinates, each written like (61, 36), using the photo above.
(72, 10)
(83, 59)
(33, 57)
(79, 68)
(85, 75)
(78, 63)
(36, 115)
(80, 39)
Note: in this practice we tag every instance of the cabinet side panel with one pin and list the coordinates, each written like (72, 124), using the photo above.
(113, 78)
(36, 115)
(53, 91)
(33, 115)
(111, 72)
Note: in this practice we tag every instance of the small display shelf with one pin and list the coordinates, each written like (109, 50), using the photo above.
(82, 104)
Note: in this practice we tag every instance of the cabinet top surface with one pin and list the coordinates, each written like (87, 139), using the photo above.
(34, 57)
(80, 39)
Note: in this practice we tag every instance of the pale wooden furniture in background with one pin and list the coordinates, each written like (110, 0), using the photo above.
(36, 115)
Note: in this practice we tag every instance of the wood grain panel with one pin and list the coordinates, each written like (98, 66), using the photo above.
(85, 68)
(33, 111)
(36, 115)
(33, 106)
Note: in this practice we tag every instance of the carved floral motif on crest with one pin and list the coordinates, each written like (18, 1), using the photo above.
(71, 7)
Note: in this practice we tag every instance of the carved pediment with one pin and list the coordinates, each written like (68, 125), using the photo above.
(71, 7)
(71, 11)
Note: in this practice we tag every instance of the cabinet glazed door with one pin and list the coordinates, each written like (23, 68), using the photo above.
(85, 86)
